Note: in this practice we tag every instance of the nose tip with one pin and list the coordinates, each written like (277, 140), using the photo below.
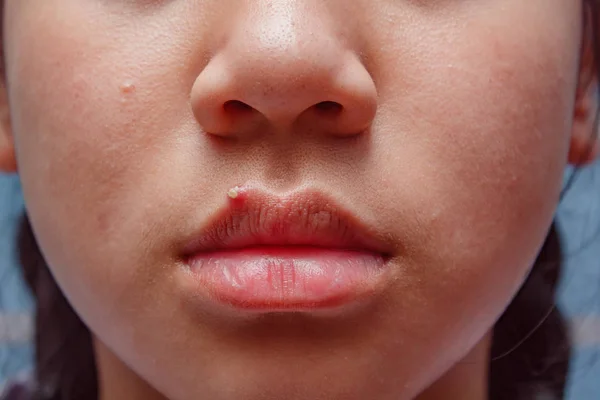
(316, 85)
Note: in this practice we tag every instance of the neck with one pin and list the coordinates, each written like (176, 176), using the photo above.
(467, 380)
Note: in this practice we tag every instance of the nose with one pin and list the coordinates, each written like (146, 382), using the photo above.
(284, 69)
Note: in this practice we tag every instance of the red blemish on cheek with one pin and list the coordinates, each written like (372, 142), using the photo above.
(127, 87)
(127, 90)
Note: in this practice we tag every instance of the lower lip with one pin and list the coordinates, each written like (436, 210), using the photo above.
(288, 278)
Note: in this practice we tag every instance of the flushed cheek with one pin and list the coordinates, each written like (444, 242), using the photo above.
(90, 152)
(480, 166)
(477, 117)
(473, 201)
(473, 139)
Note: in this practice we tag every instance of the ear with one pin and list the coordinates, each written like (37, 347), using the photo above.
(585, 146)
(8, 162)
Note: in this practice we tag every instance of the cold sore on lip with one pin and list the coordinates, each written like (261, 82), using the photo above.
(299, 252)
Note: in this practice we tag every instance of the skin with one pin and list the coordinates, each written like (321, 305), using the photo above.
(472, 110)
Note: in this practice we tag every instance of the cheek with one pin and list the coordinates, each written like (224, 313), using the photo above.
(473, 138)
(94, 137)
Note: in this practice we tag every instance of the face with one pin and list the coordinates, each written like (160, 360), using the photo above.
(445, 133)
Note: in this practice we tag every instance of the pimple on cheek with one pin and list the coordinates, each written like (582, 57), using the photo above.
(126, 89)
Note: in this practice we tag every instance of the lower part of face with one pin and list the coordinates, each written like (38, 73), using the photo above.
(459, 169)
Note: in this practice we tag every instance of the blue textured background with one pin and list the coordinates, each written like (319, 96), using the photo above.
(579, 221)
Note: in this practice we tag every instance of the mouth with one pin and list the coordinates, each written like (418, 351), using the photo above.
(298, 252)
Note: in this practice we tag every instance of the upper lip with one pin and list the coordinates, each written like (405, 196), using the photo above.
(302, 218)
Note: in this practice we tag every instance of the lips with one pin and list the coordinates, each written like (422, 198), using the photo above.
(298, 252)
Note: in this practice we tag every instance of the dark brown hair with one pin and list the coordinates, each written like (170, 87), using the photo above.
(531, 346)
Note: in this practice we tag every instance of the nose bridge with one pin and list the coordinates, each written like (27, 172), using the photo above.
(278, 25)
(285, 27)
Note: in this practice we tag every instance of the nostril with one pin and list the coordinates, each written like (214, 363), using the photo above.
(236, 106)
(328, 107)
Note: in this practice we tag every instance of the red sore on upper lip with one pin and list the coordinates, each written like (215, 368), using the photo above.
(254, 217)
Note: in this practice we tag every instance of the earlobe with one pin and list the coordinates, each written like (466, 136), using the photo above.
(8, 162)
(583, 151)
(584, 145)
